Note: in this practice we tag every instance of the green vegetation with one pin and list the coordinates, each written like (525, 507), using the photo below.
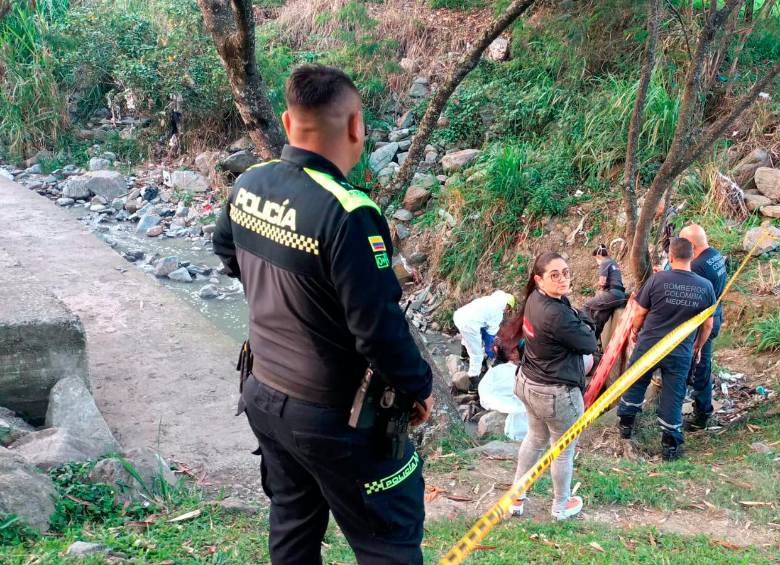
(766, 333)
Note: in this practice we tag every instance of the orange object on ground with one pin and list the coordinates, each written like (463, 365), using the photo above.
(611, 354)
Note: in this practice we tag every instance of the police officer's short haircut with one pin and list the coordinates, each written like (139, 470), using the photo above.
(680, 249)
(314, 87)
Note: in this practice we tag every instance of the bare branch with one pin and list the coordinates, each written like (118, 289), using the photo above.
(630, 176)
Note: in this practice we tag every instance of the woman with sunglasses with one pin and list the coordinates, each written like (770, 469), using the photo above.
(551, 377)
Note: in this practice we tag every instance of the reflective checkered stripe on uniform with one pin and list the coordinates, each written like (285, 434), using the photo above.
(396, 478)
(274, 233)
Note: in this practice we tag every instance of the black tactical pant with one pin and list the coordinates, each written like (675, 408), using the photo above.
(312, 463)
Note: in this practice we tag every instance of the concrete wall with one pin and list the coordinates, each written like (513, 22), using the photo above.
(41, 341)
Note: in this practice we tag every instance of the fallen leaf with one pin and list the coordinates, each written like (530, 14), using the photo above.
(740, 484)
(433, 493)
(754, 503)
(710, 505)
(655, 474)
(726, 544)
(186, 516)
(484, 547)
(596, 546)
(575, 488)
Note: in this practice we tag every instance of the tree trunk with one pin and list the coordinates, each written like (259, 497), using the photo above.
(232, 25)
(436, 105)
(683, 139)
(630, 175)
(444, 418)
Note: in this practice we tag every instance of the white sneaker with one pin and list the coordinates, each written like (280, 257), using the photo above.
(517, 507)
(571, 508)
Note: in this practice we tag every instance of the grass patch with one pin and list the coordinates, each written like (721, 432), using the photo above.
(765, 333)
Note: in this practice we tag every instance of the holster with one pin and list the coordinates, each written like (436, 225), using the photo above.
(244, 368)
(380, 407)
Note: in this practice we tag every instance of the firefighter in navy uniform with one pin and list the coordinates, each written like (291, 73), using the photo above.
(313, 254)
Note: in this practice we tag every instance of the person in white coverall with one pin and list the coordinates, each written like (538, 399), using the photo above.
(478, 323)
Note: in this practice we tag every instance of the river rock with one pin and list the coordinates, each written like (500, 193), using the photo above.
(403, 215)
(72, 408)
(207, 161)
(460, 380)
(100, 164)
(54, 446)
(419, 88)
(239, 162)
(454, 364)
(401, 157)
(147, 222)
(149, 466)
(380, 158)
(417, 258)
(12, 427)
(399, 134)
(108, 184)
(402, 272)
(166, 266)
(416, 198)
(208, 292)
(118, 204)
(402, 231)
(65, 201)
(491, 423)
(24, 491)
(745, 171)
(236, 506)
(458, 160)
(759, 234)
(756, 201)
(406, 120)
(34, 170)
(403, 146)
(241, 144)
(770, 211)
(500, 449)
(768, 182)
(82, 549)
(180, 275)
(498, 50)
(189, 181)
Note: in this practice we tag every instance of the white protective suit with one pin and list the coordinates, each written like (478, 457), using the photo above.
(484, 312)
(497, 392)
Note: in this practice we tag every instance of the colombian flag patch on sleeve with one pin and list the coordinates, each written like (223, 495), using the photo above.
(377, 243)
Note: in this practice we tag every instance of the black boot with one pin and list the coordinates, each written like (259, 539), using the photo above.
(670, 449)
(626, 426)
(464, 355)
(696, 421)
(474, 383)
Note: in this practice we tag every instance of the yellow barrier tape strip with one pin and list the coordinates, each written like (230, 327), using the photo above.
(496, 513)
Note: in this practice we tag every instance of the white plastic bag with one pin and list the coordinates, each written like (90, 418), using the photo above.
(497, 392)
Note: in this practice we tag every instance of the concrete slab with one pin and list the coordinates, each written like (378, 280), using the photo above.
(41, 341)
(162, 375)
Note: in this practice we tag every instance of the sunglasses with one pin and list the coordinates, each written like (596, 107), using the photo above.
(556, 276)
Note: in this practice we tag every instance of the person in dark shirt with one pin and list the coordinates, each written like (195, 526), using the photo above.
(314, 256)
(710, 264)
(551, 377)
(668, 299)
(611, 294)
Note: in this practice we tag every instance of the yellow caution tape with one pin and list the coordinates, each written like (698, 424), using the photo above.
(500, 509)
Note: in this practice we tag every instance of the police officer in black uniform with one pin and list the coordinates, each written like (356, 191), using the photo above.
(314, 256)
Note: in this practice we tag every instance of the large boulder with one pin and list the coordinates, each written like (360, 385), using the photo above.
(416, 198)
(147, 222)
(458, 160)
(767, 237)
(419, 88)
(241, 144)
(491, 423)
(380, 158)
(166, 266)
(768, 182)
(12, 427)
(207, 161)
(461, 381)
(756, 201)
(100, 164)
(770, 211)
(189, 181)
(239, 162)
(108, 184)
(54, 446)
(24, 491)
(72, 408)
(146, 465)
(745, 170)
